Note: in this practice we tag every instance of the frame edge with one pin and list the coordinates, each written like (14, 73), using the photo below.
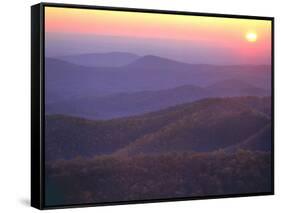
(36, 167)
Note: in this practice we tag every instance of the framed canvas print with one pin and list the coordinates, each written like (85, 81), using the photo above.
(137, 105)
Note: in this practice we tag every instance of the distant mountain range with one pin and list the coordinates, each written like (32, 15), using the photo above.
(112, 59)
(127, 104)
(203, 126)
(96, 75)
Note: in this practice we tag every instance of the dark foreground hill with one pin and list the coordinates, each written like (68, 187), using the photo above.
(143, 177)
(256, 141)
(205, 125)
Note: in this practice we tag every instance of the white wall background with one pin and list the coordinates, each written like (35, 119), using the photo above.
(15, 106)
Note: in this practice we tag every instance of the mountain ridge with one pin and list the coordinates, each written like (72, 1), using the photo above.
(69, 137)
(128, 104)
(116, 59)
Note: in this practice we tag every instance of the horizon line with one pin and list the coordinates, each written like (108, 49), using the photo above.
(60, 57)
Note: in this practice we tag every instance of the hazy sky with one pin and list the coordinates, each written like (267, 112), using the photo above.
(193, 39)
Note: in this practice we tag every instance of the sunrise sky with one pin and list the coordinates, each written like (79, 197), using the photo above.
(193, 39)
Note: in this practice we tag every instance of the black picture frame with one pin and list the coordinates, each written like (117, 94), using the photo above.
(38, 107)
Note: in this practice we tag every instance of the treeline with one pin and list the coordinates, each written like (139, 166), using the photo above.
(186, 174)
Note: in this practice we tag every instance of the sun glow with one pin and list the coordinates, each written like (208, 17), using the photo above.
(251, 37)
(225, 39)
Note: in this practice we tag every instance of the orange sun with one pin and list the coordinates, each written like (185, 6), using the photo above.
(251, 37)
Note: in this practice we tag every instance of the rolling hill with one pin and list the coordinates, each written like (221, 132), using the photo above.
(235, 87)
(128, 104)
(65, 80)
(205, 125)
(257, 142)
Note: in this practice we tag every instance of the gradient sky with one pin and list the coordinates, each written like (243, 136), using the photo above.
(193, 39)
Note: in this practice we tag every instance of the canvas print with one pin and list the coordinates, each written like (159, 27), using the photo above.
(150, 106)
